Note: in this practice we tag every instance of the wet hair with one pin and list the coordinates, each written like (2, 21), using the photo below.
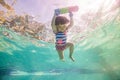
(61, 20)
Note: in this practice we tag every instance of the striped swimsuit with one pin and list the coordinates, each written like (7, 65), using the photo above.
(61, 40)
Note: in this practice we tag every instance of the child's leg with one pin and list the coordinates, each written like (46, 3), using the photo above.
(61, 55)
(71, 49)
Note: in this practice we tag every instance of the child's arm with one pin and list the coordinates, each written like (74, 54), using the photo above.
(53, 24)
(71, 20)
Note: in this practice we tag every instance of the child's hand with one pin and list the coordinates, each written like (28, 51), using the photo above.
(70, 14)
(57, 12)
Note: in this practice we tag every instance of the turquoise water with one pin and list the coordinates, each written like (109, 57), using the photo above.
(96, 36)
(97, 57)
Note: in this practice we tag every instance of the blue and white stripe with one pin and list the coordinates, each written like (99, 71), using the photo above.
(61, 36)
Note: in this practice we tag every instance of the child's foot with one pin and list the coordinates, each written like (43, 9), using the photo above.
(72, 58)
(62, 60)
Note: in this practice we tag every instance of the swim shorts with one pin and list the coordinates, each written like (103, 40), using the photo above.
(61, 48)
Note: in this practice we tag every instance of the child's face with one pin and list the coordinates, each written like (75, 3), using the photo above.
(61, 27)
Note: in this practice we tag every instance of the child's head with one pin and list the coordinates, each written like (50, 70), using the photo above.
(61, 20)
